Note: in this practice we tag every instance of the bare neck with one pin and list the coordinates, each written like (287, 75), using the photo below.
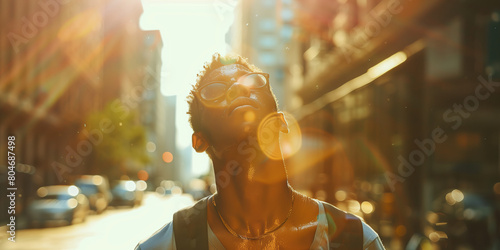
(253, 194)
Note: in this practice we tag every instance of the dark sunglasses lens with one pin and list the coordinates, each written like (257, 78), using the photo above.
(213, 91)
(254, 80)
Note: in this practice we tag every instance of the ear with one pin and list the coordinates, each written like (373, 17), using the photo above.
(282, 123)
(200, 143)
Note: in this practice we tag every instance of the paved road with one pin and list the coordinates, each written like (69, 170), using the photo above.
(116, 228)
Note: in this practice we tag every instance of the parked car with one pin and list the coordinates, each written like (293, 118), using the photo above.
(96, 188)
(124, 193)
(58, 203)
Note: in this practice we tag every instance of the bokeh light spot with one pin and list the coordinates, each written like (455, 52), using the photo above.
(72, 203)
(130, 186)
(450, 200)
(434, 237)
(73, 190)
(340, 195)
(151, 146)
(353, 206)
(141, 185)
(97, 180)
(457, 195)
(42, 192)
(432, 218)
(143, 175)
(367, 207)
(168, 157)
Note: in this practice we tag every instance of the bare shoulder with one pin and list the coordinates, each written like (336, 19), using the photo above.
(305, 210)
(304, 202)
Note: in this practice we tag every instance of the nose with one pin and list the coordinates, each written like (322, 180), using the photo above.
(236, 90)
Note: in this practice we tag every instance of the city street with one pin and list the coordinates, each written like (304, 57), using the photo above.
(386, 109)
(116, 228)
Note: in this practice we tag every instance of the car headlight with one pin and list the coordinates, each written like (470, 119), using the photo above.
(73, 190)
(130, 186)
(72, 203)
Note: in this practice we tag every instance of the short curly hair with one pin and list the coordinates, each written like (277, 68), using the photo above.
(217, 62)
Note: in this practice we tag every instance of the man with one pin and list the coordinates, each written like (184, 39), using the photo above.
(236, 121)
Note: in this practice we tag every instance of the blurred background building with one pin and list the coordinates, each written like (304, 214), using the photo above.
(62, 64)
(261, 32)
(397, 101)
(400, 89)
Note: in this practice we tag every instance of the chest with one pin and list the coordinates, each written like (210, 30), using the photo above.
(288, 238)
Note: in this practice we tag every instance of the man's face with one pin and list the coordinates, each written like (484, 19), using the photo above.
(238, 112)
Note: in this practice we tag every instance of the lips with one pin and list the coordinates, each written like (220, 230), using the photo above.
(241, 102)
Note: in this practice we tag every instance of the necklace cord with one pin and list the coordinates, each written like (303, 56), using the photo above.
(230, 230)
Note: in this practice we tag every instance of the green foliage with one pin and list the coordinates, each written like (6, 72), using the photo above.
(123, 146)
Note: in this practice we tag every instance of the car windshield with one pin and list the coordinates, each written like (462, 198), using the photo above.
(87, 189)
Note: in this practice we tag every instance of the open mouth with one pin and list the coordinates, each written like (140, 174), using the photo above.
(241, 103)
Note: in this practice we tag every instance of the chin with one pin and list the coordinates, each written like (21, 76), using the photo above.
(245, 123)
(243, 129)
(250, 128)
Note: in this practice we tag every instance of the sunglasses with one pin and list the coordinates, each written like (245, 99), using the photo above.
(217, 89)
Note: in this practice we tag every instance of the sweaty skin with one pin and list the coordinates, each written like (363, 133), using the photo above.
(253, 194)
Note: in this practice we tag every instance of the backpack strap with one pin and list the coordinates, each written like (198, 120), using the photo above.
(345, 230)
(190, 227)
